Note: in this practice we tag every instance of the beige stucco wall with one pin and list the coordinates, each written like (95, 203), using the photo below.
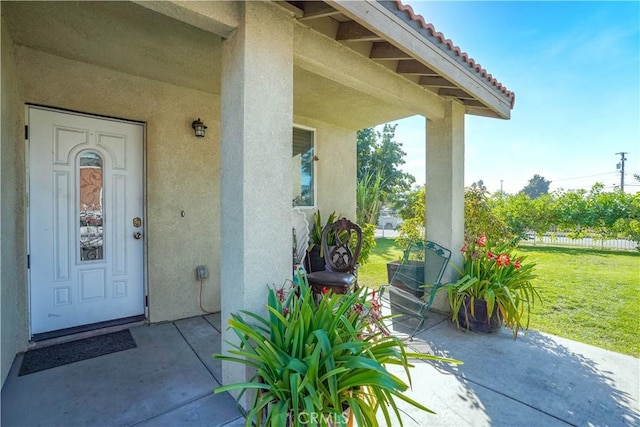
(12, 224)
(181, 170)
(335, 169)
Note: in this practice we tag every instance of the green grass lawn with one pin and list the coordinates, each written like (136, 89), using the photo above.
(374, 273)
(588, 295)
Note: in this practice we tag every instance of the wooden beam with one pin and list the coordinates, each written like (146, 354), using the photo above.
(317, 9)
(352, 31)
(473, 103)
(435, 82)
(387, 51)
(297, 12)
(414, 67)
(482, 111)
(455, 93)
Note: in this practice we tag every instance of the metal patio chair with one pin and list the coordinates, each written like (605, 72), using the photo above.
(415, 283)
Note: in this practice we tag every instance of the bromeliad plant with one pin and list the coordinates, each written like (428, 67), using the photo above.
(313, 360)
(315, 236)
(495, 274)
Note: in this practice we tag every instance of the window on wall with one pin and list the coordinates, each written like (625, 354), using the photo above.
(302, 168)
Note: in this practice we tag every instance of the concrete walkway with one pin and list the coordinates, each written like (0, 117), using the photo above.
(167, 380)
(538, 380)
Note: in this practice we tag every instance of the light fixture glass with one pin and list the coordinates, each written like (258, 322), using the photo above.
(198, 127)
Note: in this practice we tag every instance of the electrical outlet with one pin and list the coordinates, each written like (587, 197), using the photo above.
(201, 272)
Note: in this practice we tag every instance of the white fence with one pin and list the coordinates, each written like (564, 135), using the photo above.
(552, 239)
(560, 239)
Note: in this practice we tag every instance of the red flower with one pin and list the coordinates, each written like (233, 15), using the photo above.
(490, 255)
(482, 241)
(465, 247)
(503, 259)
(285, 310)
(517, 264)
(325, 290)
(280, 294)
(358, 308)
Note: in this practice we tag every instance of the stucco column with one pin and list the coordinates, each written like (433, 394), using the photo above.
(445, 185)
(256, 135)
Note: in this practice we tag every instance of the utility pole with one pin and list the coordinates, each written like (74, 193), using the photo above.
(621, 167)
(501, 192)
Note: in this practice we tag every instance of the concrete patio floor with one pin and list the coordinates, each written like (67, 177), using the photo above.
(538, 380)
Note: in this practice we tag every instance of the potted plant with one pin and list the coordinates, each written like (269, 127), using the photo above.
(496, 287)
(319, 362)
(315, 257)
(412, 267)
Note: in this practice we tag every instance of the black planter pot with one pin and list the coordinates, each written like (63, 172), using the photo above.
(412, 272)
(314, 261)
(480, 322)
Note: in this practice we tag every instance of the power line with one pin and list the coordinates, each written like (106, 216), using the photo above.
(586, 176)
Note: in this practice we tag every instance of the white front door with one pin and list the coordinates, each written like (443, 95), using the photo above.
(85, 220)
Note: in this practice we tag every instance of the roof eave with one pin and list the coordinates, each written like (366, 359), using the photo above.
(397, 29)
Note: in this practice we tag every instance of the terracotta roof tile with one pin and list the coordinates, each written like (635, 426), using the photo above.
(456, 50)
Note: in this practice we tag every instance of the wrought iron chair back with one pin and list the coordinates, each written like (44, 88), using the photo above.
(341, 244)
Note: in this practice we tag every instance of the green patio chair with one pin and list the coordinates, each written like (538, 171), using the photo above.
(414, 285)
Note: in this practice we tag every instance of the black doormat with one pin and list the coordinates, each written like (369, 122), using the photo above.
(74, 351)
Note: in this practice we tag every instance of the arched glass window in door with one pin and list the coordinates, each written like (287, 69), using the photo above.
(91, 207)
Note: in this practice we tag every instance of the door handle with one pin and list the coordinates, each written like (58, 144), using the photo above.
(137, 235)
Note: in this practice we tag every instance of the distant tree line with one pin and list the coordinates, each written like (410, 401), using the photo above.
(579, 213)
(593, 213)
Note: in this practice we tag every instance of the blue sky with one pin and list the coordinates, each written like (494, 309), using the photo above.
(575, 70)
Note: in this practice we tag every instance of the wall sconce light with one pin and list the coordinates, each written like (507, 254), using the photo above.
(198, 127)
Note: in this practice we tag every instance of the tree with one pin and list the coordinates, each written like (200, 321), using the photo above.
(367, 210)
(413, 224)
(480, 218)
(522, 214)
(629, 225)
(378, 153)
(536, 187)
(605, 209)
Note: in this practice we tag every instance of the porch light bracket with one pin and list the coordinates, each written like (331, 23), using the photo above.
(198, 128)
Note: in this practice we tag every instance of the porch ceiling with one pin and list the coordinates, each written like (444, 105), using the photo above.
(121, 36)
(319, 98)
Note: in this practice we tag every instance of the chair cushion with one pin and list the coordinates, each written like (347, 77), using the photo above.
(331, 278)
